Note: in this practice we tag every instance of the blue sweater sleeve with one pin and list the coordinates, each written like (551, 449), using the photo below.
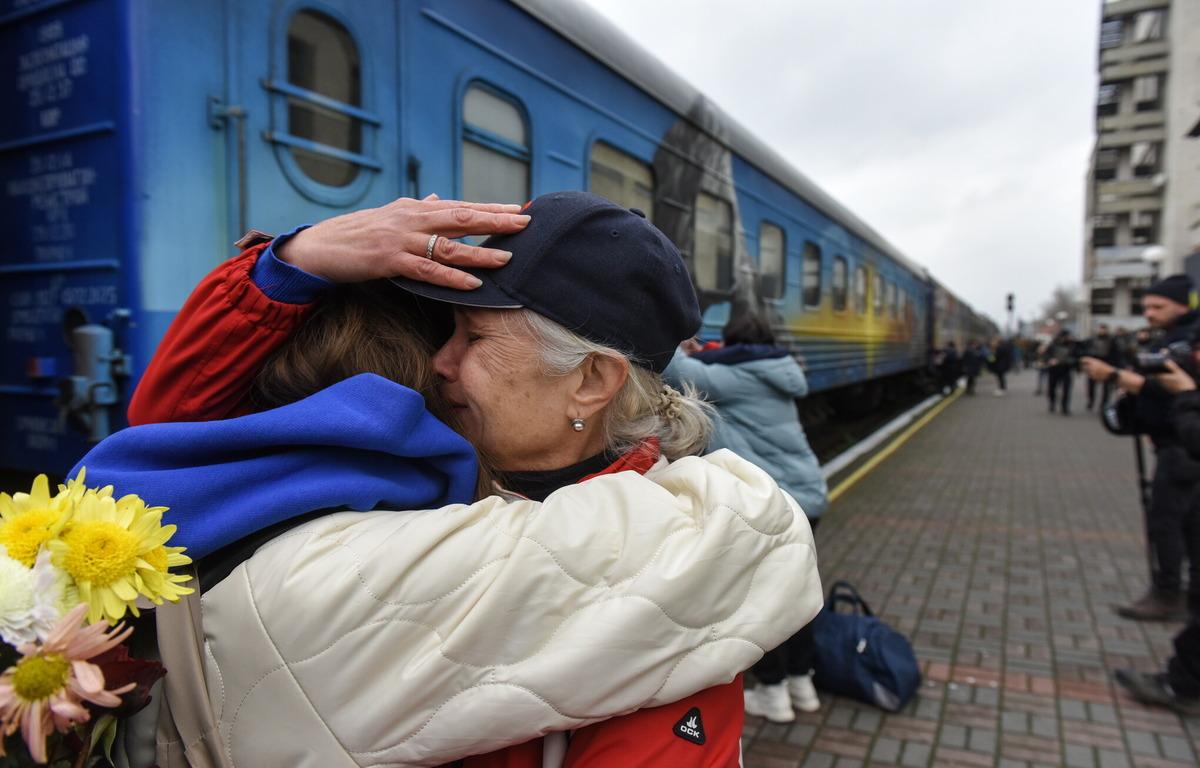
(281, 281)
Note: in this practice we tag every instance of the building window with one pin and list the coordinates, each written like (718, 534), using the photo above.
(892, 302)
(1148, 25)
(712, 259)
(860, 290)
(771, 261)
(840, 276)
(622, 178)
(1135, 300)
(1108, 99)
(877, 293)
(324, 71)
(1144, 226)
(1112, 33)
(812, 274)
(1104, 231)
(1102, 301)
(1147, 96)
(1108, 161)
(495, 148)
(1144, 157)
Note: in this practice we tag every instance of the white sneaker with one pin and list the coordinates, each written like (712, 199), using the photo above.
(771, 702)
(803, 693)
(999, 393)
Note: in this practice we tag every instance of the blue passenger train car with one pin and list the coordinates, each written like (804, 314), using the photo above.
(143, 137)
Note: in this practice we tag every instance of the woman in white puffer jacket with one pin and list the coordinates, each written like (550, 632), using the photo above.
(638, 589)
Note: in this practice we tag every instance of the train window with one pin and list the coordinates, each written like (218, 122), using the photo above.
(322, 59)
(840, 277)
(860, 290)
(812, 274)
(495, 148)
(892, 302)
(621, 178)
(877, 297)
(712, 256)
(771, 261)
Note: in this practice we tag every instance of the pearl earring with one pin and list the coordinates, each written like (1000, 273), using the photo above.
(577, 424)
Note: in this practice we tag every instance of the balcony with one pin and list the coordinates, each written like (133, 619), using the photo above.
(1121, 254)
(1126, 270)
(1147, 204)
(1123, 7)
(1128, 138)
(1134, 51)
(1127, 188)
(1129, 70)
(1131, 120)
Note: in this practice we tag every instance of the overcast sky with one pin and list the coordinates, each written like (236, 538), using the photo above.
(959, 130)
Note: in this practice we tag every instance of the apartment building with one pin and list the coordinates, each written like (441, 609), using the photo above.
(1143, 196)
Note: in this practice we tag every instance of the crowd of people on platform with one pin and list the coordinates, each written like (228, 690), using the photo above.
(1143, 383)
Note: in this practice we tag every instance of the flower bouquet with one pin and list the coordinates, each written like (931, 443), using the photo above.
(71, 566)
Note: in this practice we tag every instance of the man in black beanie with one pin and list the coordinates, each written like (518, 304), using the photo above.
(1166, 306)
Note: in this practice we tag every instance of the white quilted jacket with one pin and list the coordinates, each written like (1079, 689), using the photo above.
(416, 638)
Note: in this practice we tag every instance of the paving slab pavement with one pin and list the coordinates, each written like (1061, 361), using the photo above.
(997, 539)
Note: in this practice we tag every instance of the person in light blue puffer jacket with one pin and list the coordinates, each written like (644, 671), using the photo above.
(754, 386)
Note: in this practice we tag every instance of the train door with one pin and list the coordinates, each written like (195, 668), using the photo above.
(310, 112)
(63, 224)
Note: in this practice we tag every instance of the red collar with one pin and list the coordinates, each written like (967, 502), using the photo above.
(639, 459)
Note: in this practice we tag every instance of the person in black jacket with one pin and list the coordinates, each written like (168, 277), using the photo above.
(972, 363)
(1179, 686)
(1102, 346)
(1166, 307)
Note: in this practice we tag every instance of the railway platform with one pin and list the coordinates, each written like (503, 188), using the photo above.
(997, 538)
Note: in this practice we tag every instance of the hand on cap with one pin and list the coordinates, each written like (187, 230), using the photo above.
(391, 241)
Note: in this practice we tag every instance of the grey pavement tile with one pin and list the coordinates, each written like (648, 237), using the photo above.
(886, 750)
(915, 755)
(1176, 748)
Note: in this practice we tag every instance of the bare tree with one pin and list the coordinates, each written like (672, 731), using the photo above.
(1065, 299)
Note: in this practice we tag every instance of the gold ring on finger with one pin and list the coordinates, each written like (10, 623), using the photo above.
(431, 245)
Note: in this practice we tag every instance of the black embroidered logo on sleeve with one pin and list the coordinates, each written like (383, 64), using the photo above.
(690, 727)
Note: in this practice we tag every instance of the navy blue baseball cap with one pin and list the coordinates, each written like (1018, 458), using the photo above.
(595, 268)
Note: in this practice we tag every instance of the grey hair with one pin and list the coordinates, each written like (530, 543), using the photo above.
(645, 406)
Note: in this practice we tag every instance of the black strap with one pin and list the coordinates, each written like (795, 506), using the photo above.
(844, 592)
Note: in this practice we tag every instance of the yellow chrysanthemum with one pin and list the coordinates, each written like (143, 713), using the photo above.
(29, 520)
(115, 550)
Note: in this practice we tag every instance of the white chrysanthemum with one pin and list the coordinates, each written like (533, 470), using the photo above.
(32, 600)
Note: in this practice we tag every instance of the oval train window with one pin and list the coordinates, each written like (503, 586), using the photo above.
(322, 58)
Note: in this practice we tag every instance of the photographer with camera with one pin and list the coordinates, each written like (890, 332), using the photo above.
(1179, 686)
(1167, 308)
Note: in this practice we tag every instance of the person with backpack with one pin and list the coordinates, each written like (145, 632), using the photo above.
(973, 360)
(754, 385)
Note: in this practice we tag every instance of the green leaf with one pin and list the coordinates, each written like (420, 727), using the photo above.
(104, 732)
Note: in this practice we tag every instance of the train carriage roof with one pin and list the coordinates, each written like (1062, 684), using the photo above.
(596, 35)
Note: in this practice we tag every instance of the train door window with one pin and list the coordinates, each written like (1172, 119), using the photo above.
(324, 100)
(840, 277)
(495, 148)
(771, 261)
(712, 257)
(812, 274)
(860, 290)
(622, 178)
(877, 293)
(892, 299)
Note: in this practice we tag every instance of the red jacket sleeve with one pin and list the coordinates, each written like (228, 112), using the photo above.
(704, 730)
(216, 345)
